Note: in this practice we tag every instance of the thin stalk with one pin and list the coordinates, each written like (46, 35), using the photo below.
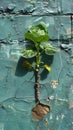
(37, 76)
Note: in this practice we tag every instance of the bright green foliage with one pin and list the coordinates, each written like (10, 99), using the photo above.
(28, 53)
(37, 33)
(48, 48)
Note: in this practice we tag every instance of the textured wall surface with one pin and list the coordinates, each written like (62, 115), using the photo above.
(16, 85)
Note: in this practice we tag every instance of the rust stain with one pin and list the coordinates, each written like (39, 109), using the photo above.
(68, 31)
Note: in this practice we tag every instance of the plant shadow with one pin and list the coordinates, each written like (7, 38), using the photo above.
(20, 69)
(47, 60)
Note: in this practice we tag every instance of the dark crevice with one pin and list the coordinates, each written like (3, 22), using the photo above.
(3, 41)
(12, 12)
(26, 12)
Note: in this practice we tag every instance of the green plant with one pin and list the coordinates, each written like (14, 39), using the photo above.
(38, 35)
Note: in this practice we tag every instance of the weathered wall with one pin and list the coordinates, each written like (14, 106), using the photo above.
(16, 85)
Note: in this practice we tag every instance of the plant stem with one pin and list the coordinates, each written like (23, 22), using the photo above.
(37, 76)
(37, 93)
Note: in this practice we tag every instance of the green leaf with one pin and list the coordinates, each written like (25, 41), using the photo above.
(48, 48)
(37, 33)
(27, 65)
(50, 52)
(47, 67)
(28, 53)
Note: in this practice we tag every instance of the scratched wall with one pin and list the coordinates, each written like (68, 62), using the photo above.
(16, 85)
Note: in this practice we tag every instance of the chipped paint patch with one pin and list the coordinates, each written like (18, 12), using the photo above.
(46, 122)
(39, 111)
(54, 83)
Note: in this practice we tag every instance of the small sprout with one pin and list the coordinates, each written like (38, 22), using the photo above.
(38, 35)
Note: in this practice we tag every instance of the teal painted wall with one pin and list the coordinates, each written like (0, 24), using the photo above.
(16, 85)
